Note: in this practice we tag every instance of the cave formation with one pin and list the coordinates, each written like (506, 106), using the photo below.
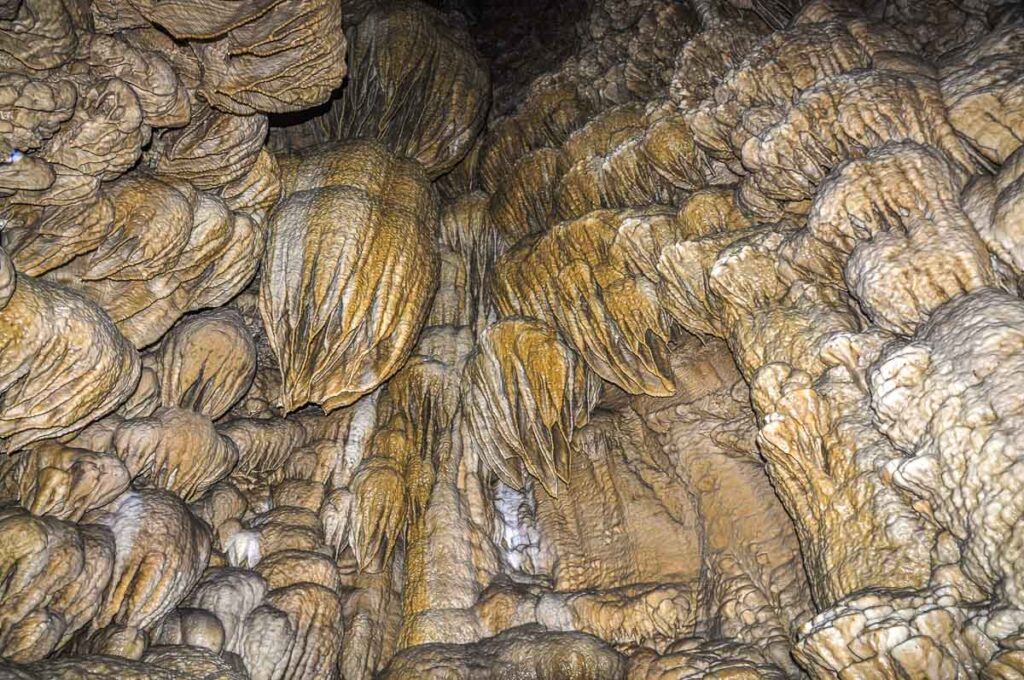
(511, 339)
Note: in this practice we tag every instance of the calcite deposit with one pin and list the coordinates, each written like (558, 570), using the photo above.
(533, 340)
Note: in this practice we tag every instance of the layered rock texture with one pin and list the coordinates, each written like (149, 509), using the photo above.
(584, 340)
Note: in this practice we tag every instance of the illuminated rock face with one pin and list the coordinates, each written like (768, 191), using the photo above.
(600, 339)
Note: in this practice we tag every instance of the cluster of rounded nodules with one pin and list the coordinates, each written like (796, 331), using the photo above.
(833, 193)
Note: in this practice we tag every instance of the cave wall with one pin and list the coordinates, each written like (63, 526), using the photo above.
(598, 339)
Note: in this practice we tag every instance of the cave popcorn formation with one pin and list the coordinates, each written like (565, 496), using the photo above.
(596, 339)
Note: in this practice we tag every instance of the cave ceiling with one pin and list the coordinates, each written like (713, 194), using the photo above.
(511, 339)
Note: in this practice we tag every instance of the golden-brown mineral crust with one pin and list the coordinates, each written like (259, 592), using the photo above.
(379, 509)
(631, 157)
(624, 178)
(705, 59)
(34, 110)
(449, 308)
(817, 11)
(407, 457)
(336, 518)
(284, 619)
(825, 458)
(191, 627)
(55, 574)
(289, 567)
(144, 400)
(926, 633)
(417, 85)
(145, 36)
(175, 449)
(942, 25)
(671, 150)
(779, 69)
(524, 394)
(54, 480)
(41, 238)
(342, 324)
(549, 114)
(577, 278)
(324, 461)
(464, 177)
(466, 229)
(708, 221)
(296, 633)
(522, 429)
(264, 444)
(257, 67)
(615, 487)
(152, 223)
(181, 18)
(222, 502)
(145, 278)
(230, 594)
(984, 91)
(300, 493)
(528, 652)
(659, 31)
(36, 36)
(524, 202)
(206, 363)
(755, 581)
(33, 181)
(285, 528)
(627, 50)
(712, 659)
(213, 150)
(163, 98)
(232, 269)
(105, 135)
(165, 662)
(192, 661)
(65, 364)
(257, 192)
(767, 317)
(995, 204)
(605, 131)
(246, 64)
